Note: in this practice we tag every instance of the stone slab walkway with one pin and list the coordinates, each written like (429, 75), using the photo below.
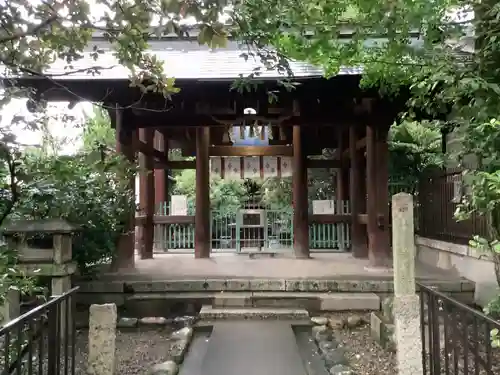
(252, 348)
(340, 265)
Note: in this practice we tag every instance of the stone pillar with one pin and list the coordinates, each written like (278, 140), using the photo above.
(147, 194)
(126, 136)
(63, 253)
(202, 239)
(406, 301)
(11, 307)
(377, 254)
(300, 203)
(356, 193)
(102, 339)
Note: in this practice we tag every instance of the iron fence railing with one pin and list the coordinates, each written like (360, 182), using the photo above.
(456, 339)
(439, 195)
(42, 341)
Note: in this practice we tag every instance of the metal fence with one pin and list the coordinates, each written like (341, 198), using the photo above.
(42, 341)
(272, 230)
(439, 195)
(456, 338)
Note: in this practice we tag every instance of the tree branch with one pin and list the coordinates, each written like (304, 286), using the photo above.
(31, 31)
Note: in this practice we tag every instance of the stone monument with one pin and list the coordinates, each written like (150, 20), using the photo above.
(102, 339)
(406, 301)
(44, 248)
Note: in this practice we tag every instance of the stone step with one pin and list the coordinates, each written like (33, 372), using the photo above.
(312, 301)
(210, 313)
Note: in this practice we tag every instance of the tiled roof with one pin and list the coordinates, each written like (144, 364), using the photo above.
(188, 60)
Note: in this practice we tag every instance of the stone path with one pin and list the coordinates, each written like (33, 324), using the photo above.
(252, 348)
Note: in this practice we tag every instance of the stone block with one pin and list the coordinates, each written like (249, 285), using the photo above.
(214, 285)
(468, 286)
(210, 313)
(408, 336)
(100, 287)
(153, 321)
(177, 350)
(349, 302)
(185, 334)
(464, 297)
(236, 285)
(102, 339)
(321, 333)
(289, 300)
(230, 299)
(165, 368)
(319, 320)
(382, 331)
(265, 285)
(388, 308)
(127, 322)
(11, 307)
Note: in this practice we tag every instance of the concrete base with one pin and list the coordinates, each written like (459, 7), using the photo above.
(311, 301)
(164, 297)
(211, 314)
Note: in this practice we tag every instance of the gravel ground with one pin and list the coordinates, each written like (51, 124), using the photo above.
(368, 358)
(136, 350)
(365, 356)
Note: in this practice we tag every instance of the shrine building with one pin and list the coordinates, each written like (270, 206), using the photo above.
(206, 120)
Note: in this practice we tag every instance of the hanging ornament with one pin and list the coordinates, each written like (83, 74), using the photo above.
(242, 130)
(269, 131)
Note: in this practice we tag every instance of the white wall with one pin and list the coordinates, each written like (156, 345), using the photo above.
(464, 260)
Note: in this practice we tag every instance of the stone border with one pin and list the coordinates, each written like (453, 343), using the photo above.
(178, 349)
(449, 247)
(155, 322)
(331, 351)
(384, 285)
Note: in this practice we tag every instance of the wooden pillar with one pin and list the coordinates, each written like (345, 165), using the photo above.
(342, 173)
(147, 194)
(376, 251)
(357, 196)
(202, 242)
(299, 190)
(383, 191)
(161, 175)
(126, 136)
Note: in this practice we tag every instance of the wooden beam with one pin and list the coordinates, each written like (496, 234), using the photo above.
(182, 118)
(144, 148)
(323, 163)
(250, 151)
(178, 164)
(330, 219)
(166, 219)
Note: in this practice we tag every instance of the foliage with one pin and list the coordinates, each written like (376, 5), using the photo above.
(482, 191)
(277, 193)
(89, 192)
(12, 174)
(413, 148)
(225, 195)
(12, 277)
(97, 131)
